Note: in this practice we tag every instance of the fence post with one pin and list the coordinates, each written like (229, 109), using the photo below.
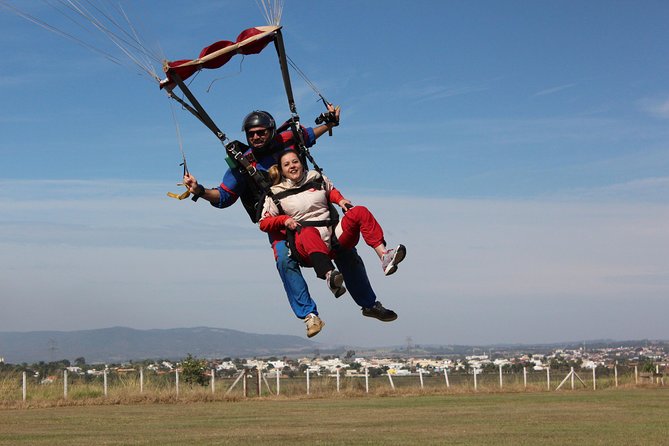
(176, 375)
(213, 381)
(25, 387)
(420, 374)
(525, 377)
(548, 377)
(259, 381)
(390, 378)
(594, 379)
(572, 378)
(337, 379)
(615, 374)
(244, 384)
(141, 380)
(308, 389)
(65, 384)
(661, 378)
(278, 381)
(239, 376)
(366, 380)
(657, 373)
(500, 376)
(448, 385)
(104, 381)
(636, 375)
(475, 383)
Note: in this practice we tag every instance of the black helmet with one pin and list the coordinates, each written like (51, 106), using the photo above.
(259, 118)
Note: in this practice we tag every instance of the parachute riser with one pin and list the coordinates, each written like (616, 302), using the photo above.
(283, 63)
(294, 121)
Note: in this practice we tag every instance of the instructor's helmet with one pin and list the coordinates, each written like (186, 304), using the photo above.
(259, 118)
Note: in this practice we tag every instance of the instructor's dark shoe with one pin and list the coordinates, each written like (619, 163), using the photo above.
(380, 313)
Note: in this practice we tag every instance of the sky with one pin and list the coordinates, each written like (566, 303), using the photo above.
(518, 149)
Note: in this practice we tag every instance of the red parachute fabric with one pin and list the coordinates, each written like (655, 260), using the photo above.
(249, 41)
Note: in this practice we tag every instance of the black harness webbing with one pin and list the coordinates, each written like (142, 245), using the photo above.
(315, 184)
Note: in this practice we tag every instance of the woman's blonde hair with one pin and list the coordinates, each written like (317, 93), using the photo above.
(274, 174)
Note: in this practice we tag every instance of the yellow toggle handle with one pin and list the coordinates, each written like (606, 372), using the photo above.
(182, 196)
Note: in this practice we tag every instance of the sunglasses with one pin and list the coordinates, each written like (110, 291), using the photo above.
(262, 132)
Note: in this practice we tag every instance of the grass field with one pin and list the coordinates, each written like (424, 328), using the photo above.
(610, 417)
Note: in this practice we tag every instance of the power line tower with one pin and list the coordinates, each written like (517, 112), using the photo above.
(409, 345)
(53, 348)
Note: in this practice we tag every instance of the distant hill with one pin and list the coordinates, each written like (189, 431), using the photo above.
(119, 344)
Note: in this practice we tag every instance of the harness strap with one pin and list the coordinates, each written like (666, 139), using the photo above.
(318, 223)
(316, 184)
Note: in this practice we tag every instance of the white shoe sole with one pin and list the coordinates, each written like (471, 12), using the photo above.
(398, 256)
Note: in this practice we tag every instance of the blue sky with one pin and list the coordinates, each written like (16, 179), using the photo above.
(519, 149)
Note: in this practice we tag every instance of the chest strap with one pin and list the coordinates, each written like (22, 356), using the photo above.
(316, 184)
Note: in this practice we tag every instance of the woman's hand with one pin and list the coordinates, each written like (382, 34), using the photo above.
(291, 224)
(345, 204)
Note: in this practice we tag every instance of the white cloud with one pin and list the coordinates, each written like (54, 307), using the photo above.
(421, 90)
(655, 107)
(476, 271)
(654, 189)
(552, 90)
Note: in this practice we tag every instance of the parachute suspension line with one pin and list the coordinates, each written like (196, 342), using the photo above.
(65, 14)
(311, 85)
(147, 57)
(61, 33)
(271, 10)
(185, 194)
(328, 116)
(131, 39)
(179, 139)
(75, 12)
(125, 44)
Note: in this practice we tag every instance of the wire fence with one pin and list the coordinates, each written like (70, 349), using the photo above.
(140, 384)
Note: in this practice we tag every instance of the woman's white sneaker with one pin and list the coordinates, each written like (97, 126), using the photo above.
(392, 258)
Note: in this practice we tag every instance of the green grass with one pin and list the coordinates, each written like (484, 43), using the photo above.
(609, 417)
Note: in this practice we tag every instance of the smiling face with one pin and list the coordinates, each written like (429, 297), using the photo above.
(291, 166)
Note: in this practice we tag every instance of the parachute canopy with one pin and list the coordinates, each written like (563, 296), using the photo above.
(249, 41)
